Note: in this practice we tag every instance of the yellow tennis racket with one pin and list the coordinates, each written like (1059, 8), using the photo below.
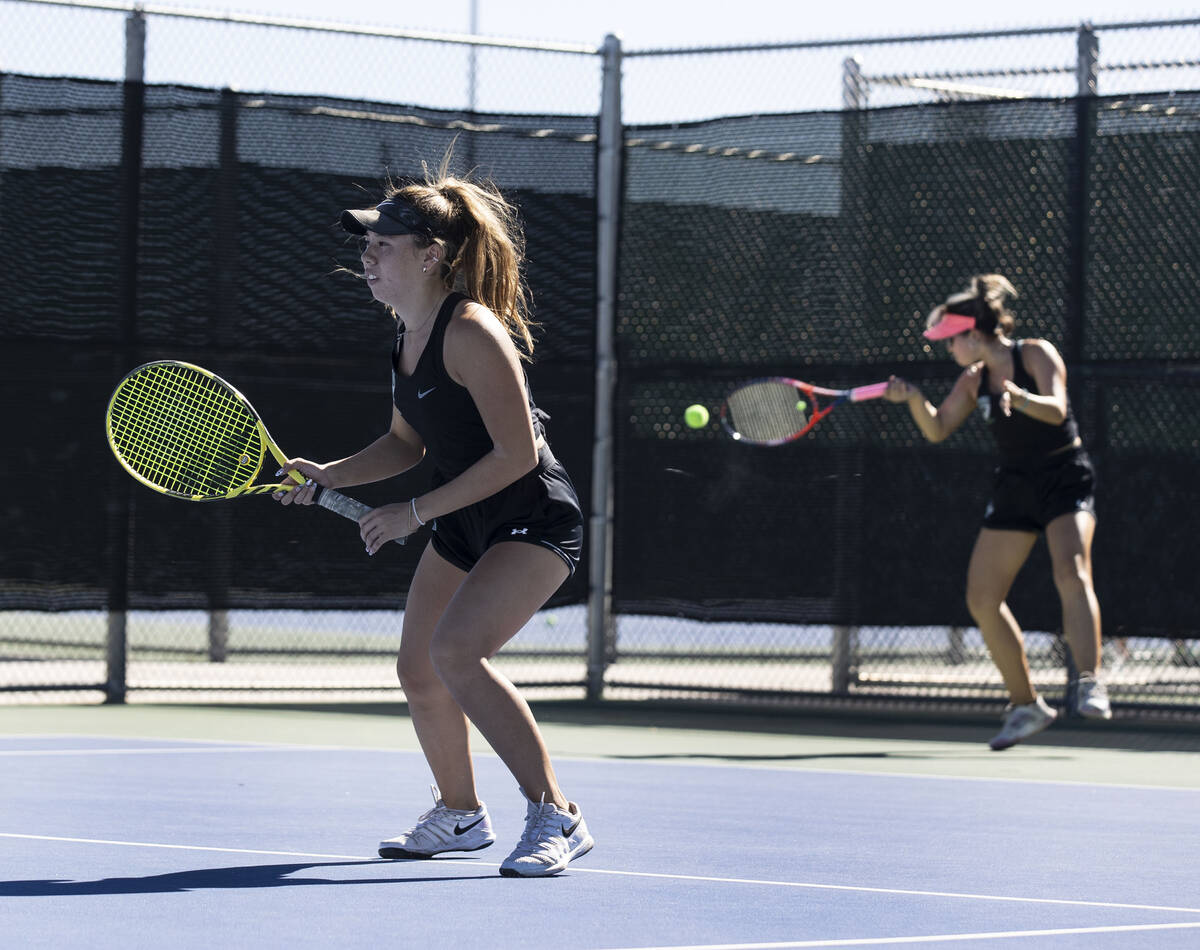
(187, 433)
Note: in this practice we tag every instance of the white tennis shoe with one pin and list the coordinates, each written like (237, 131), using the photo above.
(553, 838)
(441, 829)
(1091, 702)
(1021, 722)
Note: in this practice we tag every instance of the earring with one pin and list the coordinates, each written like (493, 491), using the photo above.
(425, 269)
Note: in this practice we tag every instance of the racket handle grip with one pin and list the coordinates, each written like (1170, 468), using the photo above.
(873, 391)
(343, 505)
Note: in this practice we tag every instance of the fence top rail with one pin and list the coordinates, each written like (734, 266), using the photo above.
(912, 38)
(470, 39)
(320, 26)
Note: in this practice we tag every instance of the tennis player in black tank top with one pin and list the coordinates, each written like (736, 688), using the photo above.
(505, 521)
(1043, 484)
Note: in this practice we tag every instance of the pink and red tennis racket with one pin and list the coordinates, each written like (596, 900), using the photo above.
(775, 410)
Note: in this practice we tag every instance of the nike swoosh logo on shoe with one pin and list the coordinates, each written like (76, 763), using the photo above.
(460, 830)
(567, 832)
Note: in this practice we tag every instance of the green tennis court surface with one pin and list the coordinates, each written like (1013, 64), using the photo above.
(1085, 752)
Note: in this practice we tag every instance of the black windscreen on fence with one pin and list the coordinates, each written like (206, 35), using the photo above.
(801, 245)
(232, 264)
(812, 246)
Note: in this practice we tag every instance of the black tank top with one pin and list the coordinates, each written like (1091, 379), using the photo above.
(1021, 439)
(442, 411)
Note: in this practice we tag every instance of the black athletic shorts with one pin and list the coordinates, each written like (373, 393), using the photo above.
(1028, 499)
(540, 508)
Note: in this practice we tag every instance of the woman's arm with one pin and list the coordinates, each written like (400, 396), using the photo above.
(396, 451)
(479, 354)
(1043, 363)
(936, 423)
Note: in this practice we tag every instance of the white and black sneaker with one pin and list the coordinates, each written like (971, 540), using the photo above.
(441, 829)
(1021, 722)
(553, 838)
(1091, 702)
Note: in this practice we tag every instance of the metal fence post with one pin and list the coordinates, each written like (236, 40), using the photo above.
(1087, 46)
(843, 659)
(221, 322)
(133, 95)
(843, 656)
(854, 85)
(1087, 58)
(135, 46)
(608, 207)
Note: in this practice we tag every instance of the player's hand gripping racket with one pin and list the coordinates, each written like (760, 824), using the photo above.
(185, 432)
(776, 410)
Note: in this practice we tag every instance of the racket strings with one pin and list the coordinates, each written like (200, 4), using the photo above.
(767, 411)
(196, 430)
(184, 431)
(154, 438)
(182, 435)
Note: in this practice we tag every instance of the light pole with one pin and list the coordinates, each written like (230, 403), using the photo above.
(472, 79)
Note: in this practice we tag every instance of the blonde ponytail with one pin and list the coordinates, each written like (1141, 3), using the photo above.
(483, 243)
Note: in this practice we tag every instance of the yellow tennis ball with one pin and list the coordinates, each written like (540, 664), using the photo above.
(696, 416)
(801, 406)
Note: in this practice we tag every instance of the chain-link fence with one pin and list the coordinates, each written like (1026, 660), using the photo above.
(88, 38)
(776, 218)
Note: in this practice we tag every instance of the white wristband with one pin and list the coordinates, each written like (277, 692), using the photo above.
(413, 505)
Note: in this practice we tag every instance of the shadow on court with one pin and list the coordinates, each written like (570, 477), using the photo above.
(968, 726)
(249, 876)
(817, 756)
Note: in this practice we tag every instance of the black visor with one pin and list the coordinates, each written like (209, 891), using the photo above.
(387, 217)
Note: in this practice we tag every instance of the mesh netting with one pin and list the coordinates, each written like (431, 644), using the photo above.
(807, 245)
(235, 270)
(816, 254)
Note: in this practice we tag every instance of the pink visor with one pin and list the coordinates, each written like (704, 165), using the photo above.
(951, 324)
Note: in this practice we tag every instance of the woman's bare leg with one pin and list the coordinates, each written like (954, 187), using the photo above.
(1069, 538)
(995, 561)
(508, 585)
(438, 720)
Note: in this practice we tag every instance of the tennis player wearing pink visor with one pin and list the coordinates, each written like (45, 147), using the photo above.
(1043, 484)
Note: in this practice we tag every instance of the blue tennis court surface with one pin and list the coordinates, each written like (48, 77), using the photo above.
(153, 842)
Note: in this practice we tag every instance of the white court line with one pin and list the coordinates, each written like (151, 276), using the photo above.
(141, 750)
(891, 890)
(873, 773)
(665, 760)
(184, 847)
(576, 869)
(928, 938)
